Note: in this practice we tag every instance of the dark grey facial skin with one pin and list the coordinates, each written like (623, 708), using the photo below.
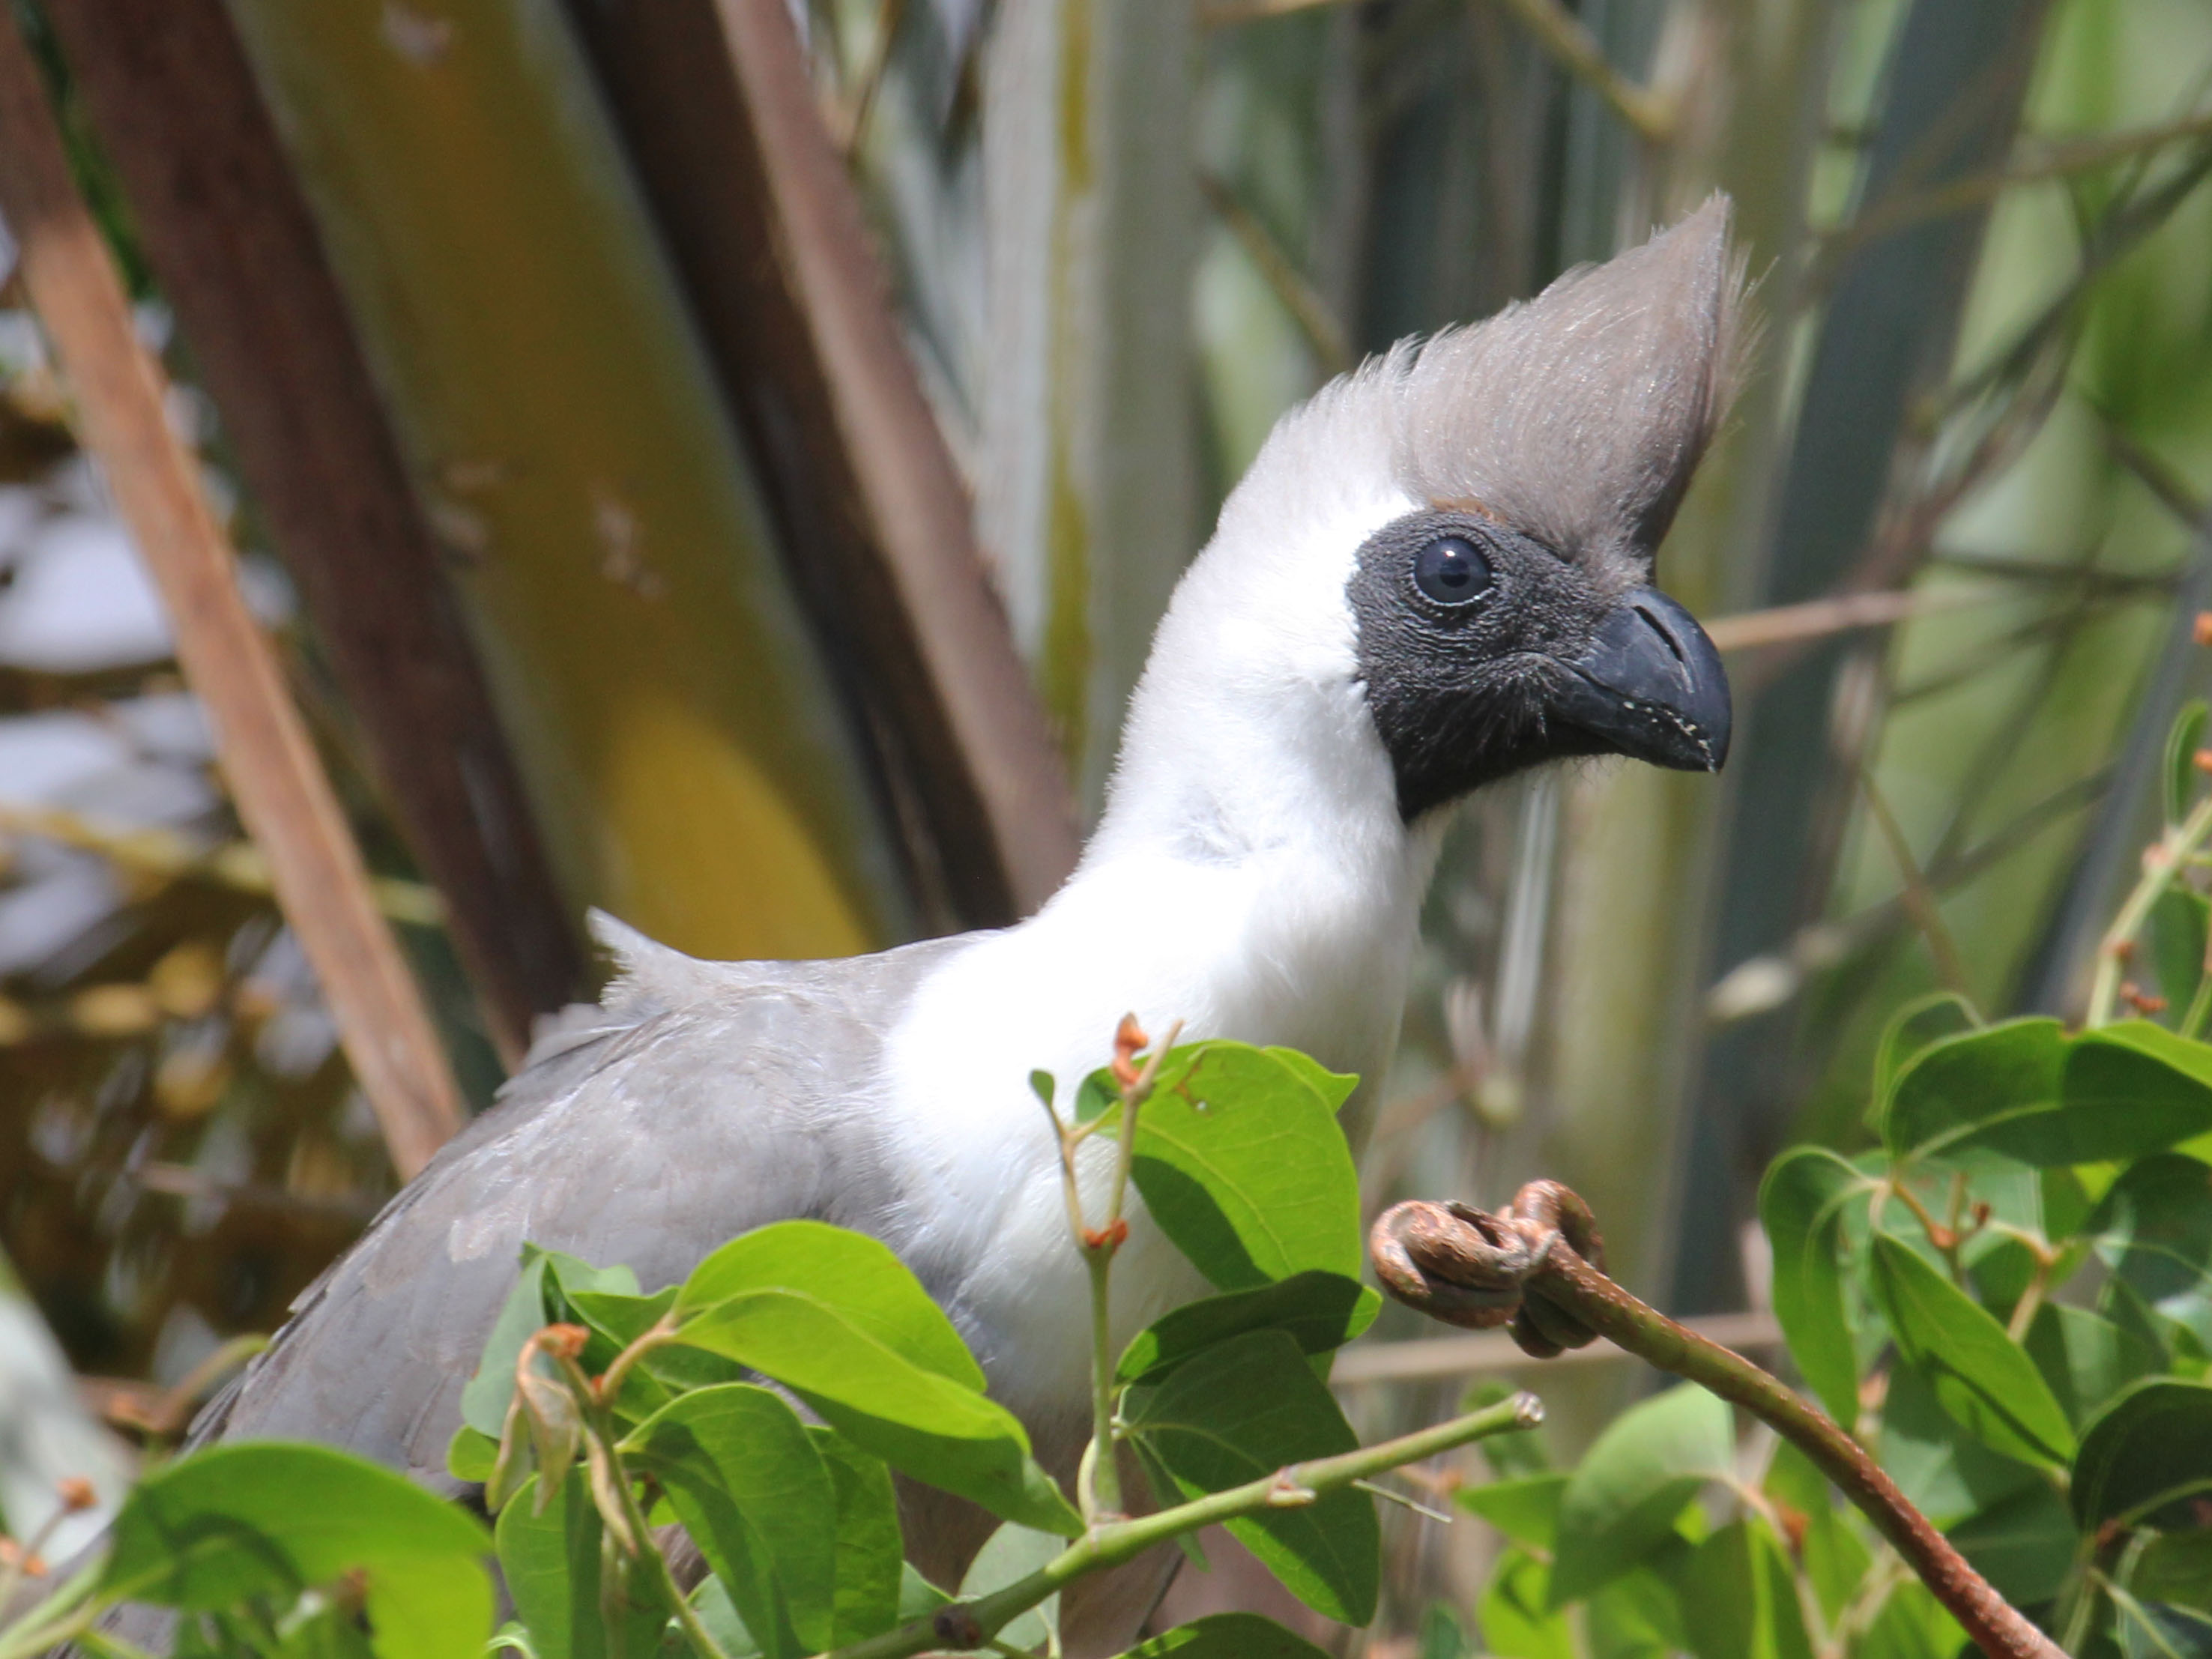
(1471, 681)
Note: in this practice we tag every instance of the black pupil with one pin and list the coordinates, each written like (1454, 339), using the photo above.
(1451, 570)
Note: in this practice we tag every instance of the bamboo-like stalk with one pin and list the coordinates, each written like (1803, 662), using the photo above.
(276, 779)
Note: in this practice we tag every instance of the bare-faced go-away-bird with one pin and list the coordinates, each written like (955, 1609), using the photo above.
(1435, 575)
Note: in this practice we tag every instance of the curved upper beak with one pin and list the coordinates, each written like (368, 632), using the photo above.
(1650, 687)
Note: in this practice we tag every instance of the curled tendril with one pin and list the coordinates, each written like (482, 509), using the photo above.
(1465, 1267)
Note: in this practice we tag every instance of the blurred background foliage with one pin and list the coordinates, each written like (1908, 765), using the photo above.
(1951, 541)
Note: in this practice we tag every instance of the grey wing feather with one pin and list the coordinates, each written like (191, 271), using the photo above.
(695, 1101)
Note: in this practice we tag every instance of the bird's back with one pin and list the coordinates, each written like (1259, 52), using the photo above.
(696, 1100)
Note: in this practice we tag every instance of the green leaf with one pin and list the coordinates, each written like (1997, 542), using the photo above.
(1802, 1203)
(757, 1498)
(1227, 1636)
(870, 1553)
(470, 1455)
(1334, 1087)
(836, 1318)
(1640, 1614)
(1241, 1160)
(551, 1566)
(1621, 1502)
(1835, 1560)
(1526, 1510)
(2023, 1089)
(2154, 1630)
(2086, 1359)
(1926, 1019)
(2146, 1457)
(1516, 1612)
(2176, 1569)
(2177, 931)
(1964, 1086)
(2154, 1229)
(1319, 1311)
(1238, 1413)
(1740, 1599)
(1980, 1377)
(230, 1523)
(484, 1401)
(1913, 1625)
(2183, 739)
(2023, 1544)
(1946, 1472)
(1008, 1556)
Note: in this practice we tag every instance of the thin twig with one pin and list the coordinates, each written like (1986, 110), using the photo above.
(1575, 50)
(2162, 861)
(1285, 280)
(1529, 1264)
(1919, 899)
(1841, 613)
(970, 1624)
(872, 77)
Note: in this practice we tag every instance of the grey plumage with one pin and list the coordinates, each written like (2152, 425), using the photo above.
(762, 1069)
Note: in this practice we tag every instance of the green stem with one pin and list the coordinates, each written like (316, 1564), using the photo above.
(1100, 1493)
(973, 1624)
(2172, 852)
(601, 1425)
(60, 1618)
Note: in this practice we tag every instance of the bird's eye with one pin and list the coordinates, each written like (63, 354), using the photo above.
(1451, 570)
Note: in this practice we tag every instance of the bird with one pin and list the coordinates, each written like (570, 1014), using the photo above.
(1436, 573)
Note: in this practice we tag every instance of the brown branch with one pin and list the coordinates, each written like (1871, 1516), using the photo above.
(1538, 1268)
(1285, 280)
(275, 778)
(1843, 613)
(235, 249)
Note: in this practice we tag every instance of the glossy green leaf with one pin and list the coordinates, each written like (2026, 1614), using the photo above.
(1526, 1510)
(551, 1564)
(2024, 1544)
(269, 1519)
(2183, 739)
(2176, 938)
(1981, 1377)
(1640, 1614)
(2154, 1229)
(2146, 1457)
(1913, 1625)
(1622, 1500)
(2176, 1569)
(1926, 1019)
(1800, 1205)
(2157, 1630)
(2086, 1358)
(1227, 1636)
(1334, 1087)
(1319, 1311)
(1516, 1614)
(836, 1317)
(754, 1496)
(1834, 1559)
(1238, 1413)
(2024, 1090)
(870, 1552)
(470, 1455)
(1956, 1086)
(1008, 1556)
(1241, 1160)
(1946, 1472)
(1740, 1599)
(484, 1398)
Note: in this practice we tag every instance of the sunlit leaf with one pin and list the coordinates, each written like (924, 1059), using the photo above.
(1739, 1599)
(1527, 1510)
(1622, 1500)
(1516, 1613)
(1800, 1203)
(1981, 1377)
(551, 1563)
(1227, 1636)
(1239, 1412)
(2146, 1457)
(1319, 1311)
(1008, 1556)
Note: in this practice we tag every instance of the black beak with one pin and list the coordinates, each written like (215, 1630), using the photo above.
(1650, 687)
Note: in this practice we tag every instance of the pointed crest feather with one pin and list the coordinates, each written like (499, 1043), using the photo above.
(1577, 418)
